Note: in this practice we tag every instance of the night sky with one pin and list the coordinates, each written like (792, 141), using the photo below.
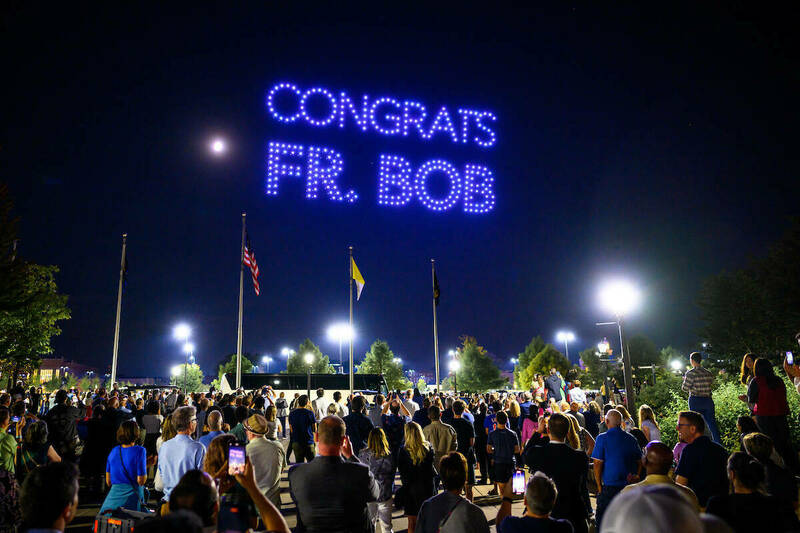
(658, 146)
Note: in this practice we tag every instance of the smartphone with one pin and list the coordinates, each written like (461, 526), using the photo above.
(15, 419)
(518, 482)
(790, 358)
(236, 457)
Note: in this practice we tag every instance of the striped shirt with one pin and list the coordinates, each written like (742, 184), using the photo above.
(698, 382)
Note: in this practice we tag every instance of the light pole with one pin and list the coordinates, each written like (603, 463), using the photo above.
(566, 337)
(621, 298)
(455, 366)
(188, 350)
(308, 358)
(266, 360)
(341, 332)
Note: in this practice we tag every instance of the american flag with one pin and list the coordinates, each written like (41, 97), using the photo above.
(250, 261)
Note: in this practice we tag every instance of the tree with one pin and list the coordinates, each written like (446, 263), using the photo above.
(533, 348)
(477, 371)
(380, 360)
(194, 377)
(422, 386)
(549, 357)
(597, 370)
(26, 331)
(669, 354)
(228, 366)
(642, 351)
(296, 363)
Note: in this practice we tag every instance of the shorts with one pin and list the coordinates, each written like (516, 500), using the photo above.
(501, 472)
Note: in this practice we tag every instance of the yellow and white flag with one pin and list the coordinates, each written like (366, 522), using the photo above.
(358, 278)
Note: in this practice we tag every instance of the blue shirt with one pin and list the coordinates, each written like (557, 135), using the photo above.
(529, 524)
(394, 427)
(177, 456)
(620, 454)
(206, 439)
(489, 422)
(302, 421)
(503, 441)
(469, 416)
(135, 458)
(421, 418)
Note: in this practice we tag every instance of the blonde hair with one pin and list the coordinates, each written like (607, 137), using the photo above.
(624, 412)
(563, 406)
(167, 429)
(573, 435)
(646, 413)
(513, 409)
(271, 413)
(377, 443)
(416, 444)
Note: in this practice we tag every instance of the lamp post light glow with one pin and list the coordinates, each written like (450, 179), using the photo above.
(266, 360)
(182, 332)
(218, 146)
(341, 332)
(455, 366)
(566, 337)
(176, 370)
(397, 360)
(452, 353)
(676, 365)
(620, 298)
(603, 346)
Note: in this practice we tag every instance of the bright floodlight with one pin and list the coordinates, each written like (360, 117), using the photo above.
(455, 365)
(397, 360)
(452, 353)
(266, 359)
(565, 336)
(309, 358)
(188, 348)
(676, 364)
(218, 146)
(619, 297)
(341, 332)
(182, 332)
(603, 346)
(177, 370)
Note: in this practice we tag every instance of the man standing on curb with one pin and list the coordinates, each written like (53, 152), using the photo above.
(698, 383)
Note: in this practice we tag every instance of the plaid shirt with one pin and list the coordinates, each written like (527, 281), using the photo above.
(698, 382)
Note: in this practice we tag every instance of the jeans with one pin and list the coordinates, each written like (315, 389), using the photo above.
(381, 512)
(705, 406)
(604, 500)
(283, 425)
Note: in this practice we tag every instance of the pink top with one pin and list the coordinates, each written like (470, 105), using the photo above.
(528, 429)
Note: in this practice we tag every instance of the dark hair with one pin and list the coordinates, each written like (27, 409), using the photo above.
(606, 408)
(128, 432)
(195, 492)
(5, 415)
(763, 368)
(241, 413)
(302, 400)
(697, 357)
(337, 396)
(558, 426)
(37, 434)
(320, 392)
(152, 407)
(258, 403)
(357, 404)
(695, 419)
(748, 471)
(46, 492)
(394, 407)
(61, 396)
(502, 418)
(747, 424)
(434, 413)
(745, 373)
(458, 407)
(182, 521)
(18, 408)
(453, 471)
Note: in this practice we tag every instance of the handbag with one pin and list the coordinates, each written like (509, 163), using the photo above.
(145, 493)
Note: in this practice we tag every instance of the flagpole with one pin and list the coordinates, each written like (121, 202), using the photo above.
(241, 299)
(119, 310)
(435, 330)
(351, 320)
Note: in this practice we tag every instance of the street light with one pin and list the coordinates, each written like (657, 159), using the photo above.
(566, 337)
(452, 353)
(397, 360)
(309, 360)
(676, 365)
(341, 332)
(266, 360)
(218, 146)
(455, 366)
(188, 349)
(603, 346)
(620, 297)
(176, 370)
(182, 332)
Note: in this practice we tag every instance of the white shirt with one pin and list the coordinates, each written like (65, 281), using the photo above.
(320, 406)
(412, 406)
(576, 394)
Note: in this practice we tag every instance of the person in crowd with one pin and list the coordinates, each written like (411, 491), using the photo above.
(703, 461)
(9, 505)
(202, 414)
(514, 412)
(767, 393)
(593, 418)
(502, 445)
(442, 437)
(283, 412)
(35, 450)
(575, 410)
(541, 496)
(332, 409)
(375, 412)
(779, 482)
(341, 409)
(49, 498)
(215, 464)
(524, 411)
(576, 394)
(62, 424)
(657, 462)
(447, 412)
(126, 470)
(378, 457)
(320, 405)
(151, 422)
(358, 424)
(409, 402)
(415, 462)
(746, 374)
(698, 383)
(394, 422)
(616, 456)
(746, 509)
(480, 442)
(241, 413)
(647, 420)
(579, 439)
(567, 469)
(656, 509)
(421, 415)
(448, 511)
(627, 420)
(267, 456)
(214, 423)
(553, 385)
(530, 424)
(303, 426)
(349, 484)
(745, 425)
(181, 453)
(8, 444)
(273, 424)
(465, 443)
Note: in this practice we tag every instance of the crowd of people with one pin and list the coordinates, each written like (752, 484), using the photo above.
(346, 455)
